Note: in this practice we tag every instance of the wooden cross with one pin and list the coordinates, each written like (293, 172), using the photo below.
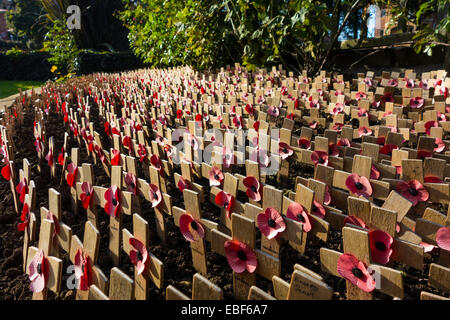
(29, 232)
(155, 269)
(243, 230)
(55, 265)
(73, 189)
(90, 247)
(63, 237)
(87, 175)
(202, 289)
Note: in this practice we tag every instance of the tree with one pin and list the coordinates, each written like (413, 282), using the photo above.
(28, 22)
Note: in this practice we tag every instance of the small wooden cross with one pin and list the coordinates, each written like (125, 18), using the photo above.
(202, 289)
(87, 175)
(55, 265)
(155, 269)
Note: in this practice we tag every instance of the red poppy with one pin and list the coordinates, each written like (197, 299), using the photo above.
(362, 113)
(253, 188)
(427, 247)
(429, 125)
(127, 142)
(409, 83)
(227, 157)
(225, 200)
(314, 104)
(360, 95)
(290, 116)
(49, 157)
(237, 120)
(157, 163)
(115, 157)
(112, 197)
(368, 82)
(22, 189)
(355, 221)
(423, 84)
(38, 272)
(317, 209)
(155, 195)
(319, 157)
(392, 82)
(285, 150)
(50, 216)
(198, 117)
(256, 126)
(273, 111)
(339, 108)
(250, 110)
(130, 181)
(380, 246)
(86, 196)
(422, 154)
(38, 144)
(439, 145)
(240, 256)
(304, 143)
(71, 174)
(413, 190)
(270, 223)
(6, 172)
(333, 150)
(138, 255)
(296, 212)
(343, 142)
(359, 185)
(183, 184)
(25, 218)
(193, 142)
(142, 152)
(387, 149)
(364, 131)
(215, 176)
(83, 270)
(387, 97)
(432, 179)
(61, 157)
(356, 272)
(191, 229)
(107, 128)
(443, 238)
(313, 124)
(416, 102)
(374, 173)
(338, 127)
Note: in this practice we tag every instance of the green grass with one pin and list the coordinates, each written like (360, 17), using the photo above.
(8, 88)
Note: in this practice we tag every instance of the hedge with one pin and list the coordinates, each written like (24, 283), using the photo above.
(89, 62)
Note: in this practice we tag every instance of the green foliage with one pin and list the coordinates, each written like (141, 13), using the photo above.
(61, 46)
(28, 22)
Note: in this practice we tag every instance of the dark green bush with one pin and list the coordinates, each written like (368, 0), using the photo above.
(33, 66)
(89, 62)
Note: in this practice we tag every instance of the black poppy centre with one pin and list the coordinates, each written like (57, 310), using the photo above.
(241, 255)
(114, 202)
(271, 223)
(358, 185)
(357, 273)
(413, 192)
(301, 218)
(380, 246)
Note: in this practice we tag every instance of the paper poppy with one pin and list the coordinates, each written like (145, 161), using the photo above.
(319, 157)
(443, 238)
(112, 197)
(343, 142)
(339, 108)
(155, 195)
(71, 174)
(273, 111)
(304, 143)
(380, 246)
(333, 150)
(191, 229)
(428, 247)
(295, 211)
(240, 256)
(409, 83)
(227, 157)
(253, 188)
(439, 145)
(285, 150)
(237, 120)
(256, 126)
(49, 157)
(192, 142)
(356, 272)
(368, 82)
(225, 200)
(432, 179)
(86, 195)
(314, 104)
(100, 154)
(360, 95)
(362, 113)
(359, 185)
(416, 102)
(24, 217)
(215, 176)
(364, 131)
(355, 221)
(338, 127)
(412, 190)
(183, 184)
(38, 272)
(430, 124)
(142, 152)
(157, 163)
(317, 209)
(387, 149)
(83, 270)
(115, 157)
(138, 255)
(131, 182)
(270, 223)
(22, 189)
(313, 124)
(6, 172)
(423, 84)
(392, 82)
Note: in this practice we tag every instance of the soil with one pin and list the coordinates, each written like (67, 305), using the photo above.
(175, 254)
